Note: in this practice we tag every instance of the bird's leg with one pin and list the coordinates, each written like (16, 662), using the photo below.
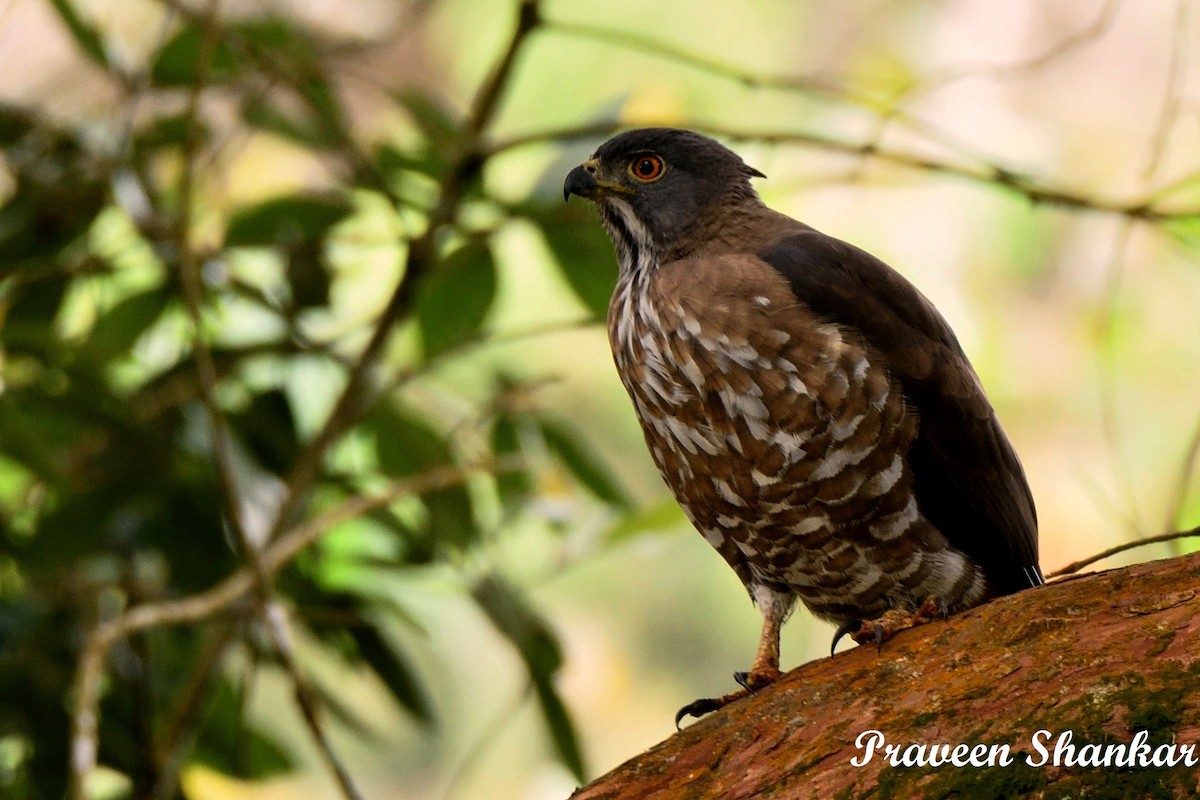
(892, 622)
(775, 608)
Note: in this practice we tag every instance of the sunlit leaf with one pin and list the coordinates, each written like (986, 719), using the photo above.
(584, 464)
(455, 298)
(1186, 231)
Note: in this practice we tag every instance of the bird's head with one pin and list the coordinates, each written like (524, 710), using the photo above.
(658, 188)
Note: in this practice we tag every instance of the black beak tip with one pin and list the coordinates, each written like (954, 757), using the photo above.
(579, 181)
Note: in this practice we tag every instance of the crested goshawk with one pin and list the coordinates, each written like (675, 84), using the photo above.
(809, 408)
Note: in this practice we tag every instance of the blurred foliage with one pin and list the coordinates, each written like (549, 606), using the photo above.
(341, 314)
(109, 495)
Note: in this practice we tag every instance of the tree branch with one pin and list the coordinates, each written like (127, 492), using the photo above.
(359, 391)
(226, 597)
(1076, 566)
(1101, 656)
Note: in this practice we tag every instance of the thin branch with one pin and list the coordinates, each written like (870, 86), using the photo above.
(818, 86)
(990, 174)
(1110, 417)
(274, 616)
(1173, 94)
(1090, 33)
(1075, 566)
(226, 597)
(1186, 473)
(421, 257)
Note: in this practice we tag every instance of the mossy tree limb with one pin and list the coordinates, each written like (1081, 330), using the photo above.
(1102, 655)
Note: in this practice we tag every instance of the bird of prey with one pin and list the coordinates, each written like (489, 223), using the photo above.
(810, 409)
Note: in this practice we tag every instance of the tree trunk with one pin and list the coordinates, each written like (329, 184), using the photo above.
(1098, 657)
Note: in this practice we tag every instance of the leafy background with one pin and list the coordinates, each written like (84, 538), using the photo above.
(312, 458)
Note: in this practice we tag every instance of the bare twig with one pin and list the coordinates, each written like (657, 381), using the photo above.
(359, 390)
(1075, 566)
(1110, 418)
(226, 597)
(823, 87)
(816, 85)
(1186, 472)
(1173, 94)
(992, 175)
(1091, 32)
(274, 616)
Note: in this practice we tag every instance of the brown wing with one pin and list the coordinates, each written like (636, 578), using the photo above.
(968, 480)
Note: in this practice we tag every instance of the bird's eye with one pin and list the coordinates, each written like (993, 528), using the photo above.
(646, 168)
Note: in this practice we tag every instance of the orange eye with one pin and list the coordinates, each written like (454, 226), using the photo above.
(646, 168)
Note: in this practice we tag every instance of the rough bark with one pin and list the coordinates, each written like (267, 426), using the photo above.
(1102, 655)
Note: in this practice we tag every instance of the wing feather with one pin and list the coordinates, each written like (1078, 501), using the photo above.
(968, 479)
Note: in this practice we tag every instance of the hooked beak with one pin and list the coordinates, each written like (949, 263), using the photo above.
(583, 181)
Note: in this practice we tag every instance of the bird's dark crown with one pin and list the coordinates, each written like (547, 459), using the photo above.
(671, 199)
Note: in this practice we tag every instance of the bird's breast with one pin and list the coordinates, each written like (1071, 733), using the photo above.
(783, 438)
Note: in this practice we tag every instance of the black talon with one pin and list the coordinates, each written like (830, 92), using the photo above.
(878, 637)
(696, 708)
(849, 626)
(743, 680)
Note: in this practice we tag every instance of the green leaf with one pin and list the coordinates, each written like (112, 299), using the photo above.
(515, 486)
(171, 131)
(15, 124)
(519, 623)
(408, 445)
(585, 465)
(455, 298)
(393, 669)
(286, 220)
(268, 430)
(584, 254)
(538, 647)
(299, 126)
(664, 516)
(230, 745)
(561, 728)
(84, 34)
(437, 123)
(116, 332)
(307, 276)
(297, 62)
(178, 61)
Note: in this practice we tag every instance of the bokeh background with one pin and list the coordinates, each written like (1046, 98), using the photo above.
(1031, 165)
